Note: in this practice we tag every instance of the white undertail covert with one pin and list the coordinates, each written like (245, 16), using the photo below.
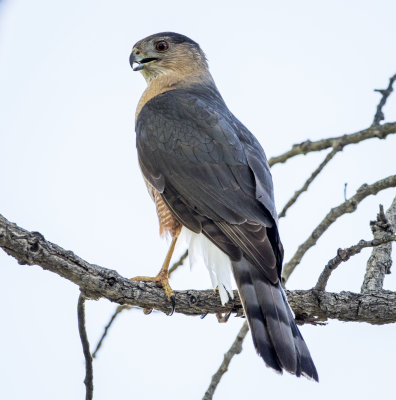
(217, 262)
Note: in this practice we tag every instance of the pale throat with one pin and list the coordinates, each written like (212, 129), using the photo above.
(169, 80)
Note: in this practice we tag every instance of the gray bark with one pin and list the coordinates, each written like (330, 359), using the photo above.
(31, 248)
(380, 132)
(380, 261)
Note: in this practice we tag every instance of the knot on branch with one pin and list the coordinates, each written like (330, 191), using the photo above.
(111, 281)
(32, 244)
(362, 188)
(344, 254)
(353, 204)
(192, 299)
(304, 146)
(34, 241)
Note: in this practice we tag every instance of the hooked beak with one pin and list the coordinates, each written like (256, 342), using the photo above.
(139, 60)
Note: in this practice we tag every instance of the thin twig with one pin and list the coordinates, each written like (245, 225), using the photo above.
(107, 327)
(85, 345)
(348, 206)
(178, 263)
(236, 348)
(380, 132)
(304, 188)
(379, 115)
(380, 260)
(345, 254)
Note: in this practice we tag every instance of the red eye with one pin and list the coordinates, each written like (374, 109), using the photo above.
(161, 46)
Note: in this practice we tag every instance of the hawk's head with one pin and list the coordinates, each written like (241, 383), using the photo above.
(167, 52)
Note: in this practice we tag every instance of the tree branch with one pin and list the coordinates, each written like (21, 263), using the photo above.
(178, 263)
(380, 260)
(348, 206)
(317, 171)
(376, 308)
(85, 345)
(31, 248)
(345, 254)
(235, 348)
(95, 282)
(380, 132)
(118, 310)
(379, 115)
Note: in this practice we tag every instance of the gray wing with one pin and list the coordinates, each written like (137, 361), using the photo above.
(212, 173)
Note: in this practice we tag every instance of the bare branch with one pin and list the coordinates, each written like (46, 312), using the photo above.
(348, 206)
(236, 348)
(178, 263)
(85, 345)
(379, 115)
(317, 171)
(95, 282)
(31, 248)
(118, 310)
(380, 260)
(376, 308)
(345, 254)
(380, 132)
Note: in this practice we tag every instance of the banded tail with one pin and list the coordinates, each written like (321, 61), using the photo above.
(276, 336)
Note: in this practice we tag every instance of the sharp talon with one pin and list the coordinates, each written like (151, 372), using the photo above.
(147, 311)
(173, 304)
(203, 315)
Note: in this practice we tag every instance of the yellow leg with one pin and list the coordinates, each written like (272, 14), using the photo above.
(162, 277)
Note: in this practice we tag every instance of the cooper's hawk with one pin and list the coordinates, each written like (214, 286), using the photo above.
(209, 176)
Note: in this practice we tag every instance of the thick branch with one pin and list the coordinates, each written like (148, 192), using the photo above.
(380, 132)
(31, 248)
(348, 206)
(375, 308)
(380, 260)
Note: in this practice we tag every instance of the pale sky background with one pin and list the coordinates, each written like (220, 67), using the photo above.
(289, 71)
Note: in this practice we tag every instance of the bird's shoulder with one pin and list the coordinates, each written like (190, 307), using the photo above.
(192, 122)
